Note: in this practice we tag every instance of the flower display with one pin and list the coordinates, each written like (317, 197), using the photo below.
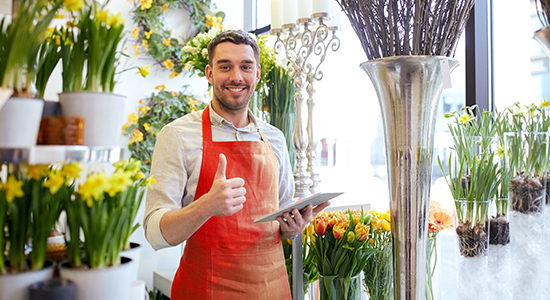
(440, 219)
(340, 246)
(104, 208)
(30, 204)
(154, 113)
(378, 271)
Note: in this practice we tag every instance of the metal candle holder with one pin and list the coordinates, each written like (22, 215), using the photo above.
(316, 41)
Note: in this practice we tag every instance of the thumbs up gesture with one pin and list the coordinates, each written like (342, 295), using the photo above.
(226, 196)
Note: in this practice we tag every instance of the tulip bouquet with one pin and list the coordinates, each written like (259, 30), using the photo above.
(340, 248)
(104, 208)
(30, 203)
(378, 272)
(309, 271)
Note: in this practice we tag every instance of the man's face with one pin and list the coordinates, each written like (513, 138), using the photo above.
(234, 74)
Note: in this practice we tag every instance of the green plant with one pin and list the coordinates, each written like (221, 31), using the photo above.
(157, 111)
(47, 58)
(20, 42)
(278, 97)
(92, 42)
(100, 209)
(378, 271)
(31, 203)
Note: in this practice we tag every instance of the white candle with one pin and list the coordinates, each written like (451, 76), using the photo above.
(290, 11)
(321, 6)
(335, 14)
(276, 14)
(304, 9)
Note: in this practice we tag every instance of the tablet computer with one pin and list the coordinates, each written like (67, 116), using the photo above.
(314, 200)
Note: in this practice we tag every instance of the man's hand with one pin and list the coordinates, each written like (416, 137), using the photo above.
(226, 196)
(293, 224)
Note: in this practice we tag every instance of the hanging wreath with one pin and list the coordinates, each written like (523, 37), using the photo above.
(158, 41)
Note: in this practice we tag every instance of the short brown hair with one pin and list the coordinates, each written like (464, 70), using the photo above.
(236, 37)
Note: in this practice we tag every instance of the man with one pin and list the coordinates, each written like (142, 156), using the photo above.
(218, 170)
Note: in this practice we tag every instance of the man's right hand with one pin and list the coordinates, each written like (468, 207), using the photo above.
(226, 196)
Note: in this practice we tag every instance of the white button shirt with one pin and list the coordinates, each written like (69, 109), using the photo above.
(177, 162)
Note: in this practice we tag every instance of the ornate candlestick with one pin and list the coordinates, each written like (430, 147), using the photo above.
(317, 42)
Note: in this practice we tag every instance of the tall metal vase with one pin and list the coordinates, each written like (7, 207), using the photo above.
(409, 89)
(543, 37)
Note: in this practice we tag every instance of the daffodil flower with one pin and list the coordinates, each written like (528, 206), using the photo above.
(54, 182)
(149, 182)
(37, 172)
(545, 104)
(144, 71)
(12, 188)
(71, 170)
(73, 5)
(465, 119)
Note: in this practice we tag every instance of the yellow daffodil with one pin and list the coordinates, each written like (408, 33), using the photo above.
(136, 50)
(139, 175)
(149, 182)
(73, 5)
(71, 170)
(37, 172)
(144, 71)
(168, 64)
(102, 15)
(135, 33)
(119, 182)
(95, 185)
(148, 34)
(49, 33)
(164, 8)
(54, 182)
(147, 127)
(174, 74)
(86, 191)
(545, 104)
(145, 4)
(465, 119)
(143, 110)
(117, 20)
(12, 188)
(167, 41)
(161, 87)
(133, 118)
(58, 40)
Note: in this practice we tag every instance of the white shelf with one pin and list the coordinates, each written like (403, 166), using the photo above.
(45, 155)
(162, 280)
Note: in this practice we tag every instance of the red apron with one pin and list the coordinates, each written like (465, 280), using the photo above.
(232, 257)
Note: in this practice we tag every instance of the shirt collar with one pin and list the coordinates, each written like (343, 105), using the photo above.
(219, 121)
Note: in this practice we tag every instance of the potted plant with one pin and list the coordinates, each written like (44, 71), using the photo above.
(90, 58)
(30, 205)
(21, 42)
(104, 209)
(340, 248)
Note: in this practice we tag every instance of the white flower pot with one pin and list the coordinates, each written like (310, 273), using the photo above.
(103, 115)
(19, 122)
(134, 254)
(16, 286)
(112, 283)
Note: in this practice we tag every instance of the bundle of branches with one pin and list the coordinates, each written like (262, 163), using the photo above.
(543, 10)
(408, 27)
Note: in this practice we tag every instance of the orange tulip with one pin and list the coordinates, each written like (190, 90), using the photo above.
(320, 226)
(362, 231)
(339, 230)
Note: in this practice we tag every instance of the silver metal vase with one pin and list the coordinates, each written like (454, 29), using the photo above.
(543, 37)
(409, 89)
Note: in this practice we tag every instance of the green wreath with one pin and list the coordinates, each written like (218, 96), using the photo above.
(158, 41)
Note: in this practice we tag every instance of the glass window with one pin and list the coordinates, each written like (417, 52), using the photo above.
(520, 66)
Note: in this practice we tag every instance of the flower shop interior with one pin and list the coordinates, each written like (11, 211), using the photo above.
(440, 200)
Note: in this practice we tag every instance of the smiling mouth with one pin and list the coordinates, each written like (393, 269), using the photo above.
(236, 90)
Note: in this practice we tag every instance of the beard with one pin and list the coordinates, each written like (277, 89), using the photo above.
(231, 103)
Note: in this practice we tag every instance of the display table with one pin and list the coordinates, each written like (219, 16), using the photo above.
(162, 280)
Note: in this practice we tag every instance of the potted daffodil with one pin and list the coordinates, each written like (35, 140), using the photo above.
(21, 58)
(90, 58)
